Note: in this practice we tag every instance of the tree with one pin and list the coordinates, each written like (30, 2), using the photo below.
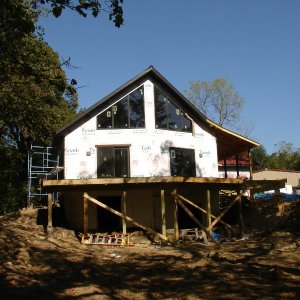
(259, 158)
(217, 100)
(83, 7)
(34, 102)
(287, 157)
(35, 98)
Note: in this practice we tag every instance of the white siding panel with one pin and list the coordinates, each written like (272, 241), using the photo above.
(149, 147)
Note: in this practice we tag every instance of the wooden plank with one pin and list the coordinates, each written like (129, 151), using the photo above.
(208, 199)
(196, 220)
(163, 213)
(85, 216)
(138, 180)
(226, 210)
(126, 217)
(123, 207)
(203, 210)
(49, 225)
(175, 216)
(240, 215)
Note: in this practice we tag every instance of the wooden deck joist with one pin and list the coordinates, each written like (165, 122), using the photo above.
(168, 182)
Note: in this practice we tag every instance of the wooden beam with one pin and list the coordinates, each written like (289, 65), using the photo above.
(225, 168)
(175, 216)
(163, 213)
(123, 207)
(203, 210)
(151, 231)
(240, 215)
(250, 164)
(226, 210)
(196, 220)
(134, 182)
(85, 216)
(208, 203)
(237, 166)
(49, 225)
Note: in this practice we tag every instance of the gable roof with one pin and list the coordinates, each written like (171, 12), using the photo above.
(228, 142)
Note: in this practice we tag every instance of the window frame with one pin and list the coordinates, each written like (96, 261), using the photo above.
(114, 148)
(169, 102)
(111, 108)
(173, 156)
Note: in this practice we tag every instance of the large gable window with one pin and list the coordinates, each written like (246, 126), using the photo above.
(126, 113)
(168, 115)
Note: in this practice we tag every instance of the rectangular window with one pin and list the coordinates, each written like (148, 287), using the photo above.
(112, 162)
(182, 162)
(120, 114)
(161, 117)
(104, 120)
(137, 112)
(174, 117)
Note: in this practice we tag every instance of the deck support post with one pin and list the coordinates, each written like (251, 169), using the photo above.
(85, 215)
(49, 225)
(176, 227)
(123, 210)
(151, 231)
(208, 209)
(163, 213)
(240, 215)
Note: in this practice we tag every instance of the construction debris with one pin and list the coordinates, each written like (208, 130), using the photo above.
(118, 239)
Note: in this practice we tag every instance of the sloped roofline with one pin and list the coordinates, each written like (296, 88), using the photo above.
(229, 142)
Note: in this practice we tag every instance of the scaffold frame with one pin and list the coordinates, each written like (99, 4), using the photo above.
(43, 163)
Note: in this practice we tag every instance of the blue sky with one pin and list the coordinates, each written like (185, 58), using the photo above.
(254, 44)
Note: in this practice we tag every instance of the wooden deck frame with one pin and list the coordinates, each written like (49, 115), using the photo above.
(161, 183)
(205, 212)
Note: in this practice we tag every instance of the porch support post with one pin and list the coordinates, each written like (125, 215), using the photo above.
(240, 215)
(237, 166)
(163, 213)
(85, 215)
(176, 228)
(123, 207)
(49, 225)
(250, 164)
(225, 168)
(208, 209)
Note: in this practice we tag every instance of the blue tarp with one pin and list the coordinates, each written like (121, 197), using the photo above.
(286, 197)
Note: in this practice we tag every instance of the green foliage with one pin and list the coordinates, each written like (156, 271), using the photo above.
(12, 183)
(287, 157)
(83, 7)
(259, 158)
(217, 100)
(35, 98)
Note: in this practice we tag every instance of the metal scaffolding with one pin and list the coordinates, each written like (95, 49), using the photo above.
(43, 163)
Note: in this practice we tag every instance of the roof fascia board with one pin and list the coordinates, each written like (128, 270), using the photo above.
(229, 132)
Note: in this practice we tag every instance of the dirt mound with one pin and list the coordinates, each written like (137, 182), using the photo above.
(264, 263)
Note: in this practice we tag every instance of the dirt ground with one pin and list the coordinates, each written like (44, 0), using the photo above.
(262, 264)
